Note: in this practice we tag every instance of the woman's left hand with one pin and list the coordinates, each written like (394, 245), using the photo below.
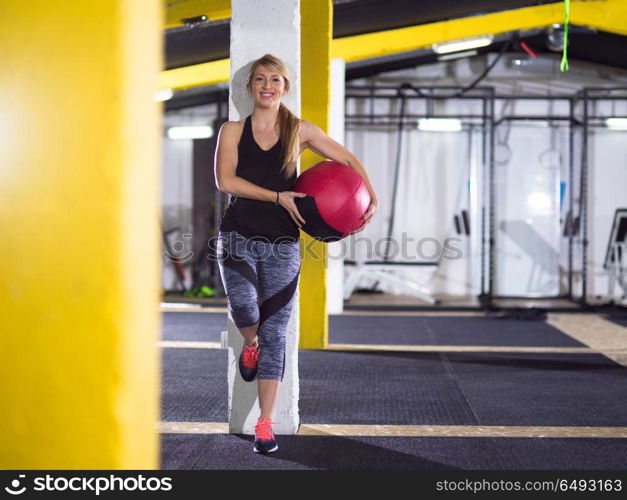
(372, 208)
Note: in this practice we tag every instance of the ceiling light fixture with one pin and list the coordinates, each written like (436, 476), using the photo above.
(457, 55)
(194, 22)
(462, 44)
(163, 95)
(440, 125)
(616, 123)
(190, 132)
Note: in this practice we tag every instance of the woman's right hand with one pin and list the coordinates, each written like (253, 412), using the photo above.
(286, 200)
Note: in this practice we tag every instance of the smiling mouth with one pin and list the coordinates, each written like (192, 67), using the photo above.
(264, 94)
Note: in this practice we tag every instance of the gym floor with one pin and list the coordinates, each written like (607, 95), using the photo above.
(412, 389)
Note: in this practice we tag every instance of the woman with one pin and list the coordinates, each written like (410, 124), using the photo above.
(258, 246)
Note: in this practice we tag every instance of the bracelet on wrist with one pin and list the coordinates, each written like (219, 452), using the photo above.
(277, 198)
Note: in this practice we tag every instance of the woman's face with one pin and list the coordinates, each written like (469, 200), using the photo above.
(268, 87)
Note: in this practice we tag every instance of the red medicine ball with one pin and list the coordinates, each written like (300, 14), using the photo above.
(336, 200)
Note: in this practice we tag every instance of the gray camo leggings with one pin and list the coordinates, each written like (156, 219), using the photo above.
(260, 280)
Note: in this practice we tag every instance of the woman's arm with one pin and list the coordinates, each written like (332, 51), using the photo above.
(323, 145)
(225, 164)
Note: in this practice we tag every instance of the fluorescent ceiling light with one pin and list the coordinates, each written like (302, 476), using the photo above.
(163, 95)
(616, 123)
(462, 44)
(195, 132)
(540, 201)
(440, 125)
(457, 55)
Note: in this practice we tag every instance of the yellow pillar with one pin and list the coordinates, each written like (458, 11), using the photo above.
(316, 37)
(79, 259)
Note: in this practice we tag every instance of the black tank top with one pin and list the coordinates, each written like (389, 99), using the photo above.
(256, 219)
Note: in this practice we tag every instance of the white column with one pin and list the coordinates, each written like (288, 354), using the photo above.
(258, 28)
(335, 270)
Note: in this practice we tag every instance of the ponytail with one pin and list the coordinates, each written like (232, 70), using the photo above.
(289, 127)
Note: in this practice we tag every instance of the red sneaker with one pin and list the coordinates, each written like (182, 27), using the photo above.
(264, 437)
(248, 360)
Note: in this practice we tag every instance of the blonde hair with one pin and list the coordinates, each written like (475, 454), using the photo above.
(288, 123)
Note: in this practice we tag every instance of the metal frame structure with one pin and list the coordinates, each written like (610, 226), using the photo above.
(488, 122)
(573, 123)
(485, 96)
(588, 95)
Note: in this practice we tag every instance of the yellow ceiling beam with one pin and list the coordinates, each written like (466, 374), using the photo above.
(193, 76)
(383, 43)
(176, 10)
(610, 16)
